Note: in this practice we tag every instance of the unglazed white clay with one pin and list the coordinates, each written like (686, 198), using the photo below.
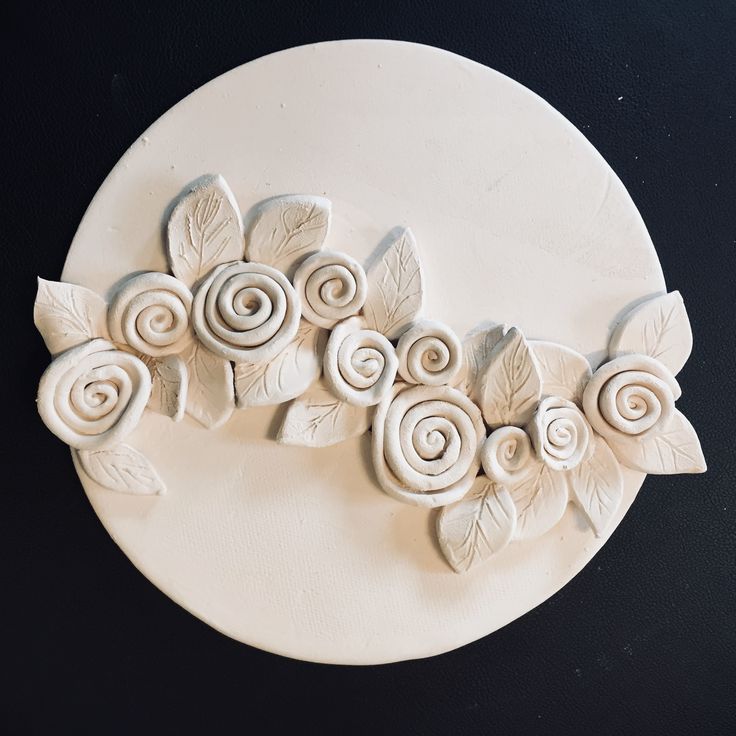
(123, 469)
(359, 365)
(478, 345)
(93, 395)
(210, 395)
(559, 433)
(246, 312)
(150, 312)
(541, 498)
(332, 287)
(169, 386)
(506, 455)
(426, 444)
(564, 372)
(429, 353)
(204, 230)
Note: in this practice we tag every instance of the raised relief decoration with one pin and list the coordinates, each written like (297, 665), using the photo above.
(501, 431)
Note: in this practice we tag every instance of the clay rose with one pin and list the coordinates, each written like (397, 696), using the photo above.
(426, 444)
(93, 395)
(246, 312)
(559, 433)
(150, 312)
(630, 395)
(506, 455)
(332, 287)
(359, 364)
(429, 353)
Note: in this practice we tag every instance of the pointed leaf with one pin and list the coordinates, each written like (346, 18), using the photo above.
(564, 371)
(287, 375)
(67, 315)
(395, 289)
(597, 486)
(540, 499)
(659, 328)
(510, 385)
(169, 386)
(668, 450)
(477, 348)
(121, 468)
(204, 230)
(476, 527)
(286, 230)
(318, 419)
(210, 395)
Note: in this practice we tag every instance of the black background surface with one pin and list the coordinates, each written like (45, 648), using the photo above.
(641, 642)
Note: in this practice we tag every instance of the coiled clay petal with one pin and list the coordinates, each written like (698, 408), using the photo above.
(560, 433)
(246, 312)
(429, 353)
(93, 396)
(506, 455)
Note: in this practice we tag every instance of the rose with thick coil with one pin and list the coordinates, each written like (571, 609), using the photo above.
(507, 455)
(631, 395)
(559, 433)
(359, 365)
(426, 444)
(93, 395)
(150, 312)
(429, 353)
(332, 287)
(246, 312)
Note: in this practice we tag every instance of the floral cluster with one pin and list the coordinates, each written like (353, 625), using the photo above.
(500, 431)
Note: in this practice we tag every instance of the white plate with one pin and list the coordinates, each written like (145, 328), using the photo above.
(518, 219)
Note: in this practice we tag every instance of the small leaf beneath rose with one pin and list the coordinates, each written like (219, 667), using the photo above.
(510, 384)
(659, 328)
(68, 315)
(318, 419)
(204, 230)
(564, 371)
(287, 375)
(540, 499)
(121, 468)
(477, 347)
(479, 525)
(169, 386)
(210, 395)
(395, 289)
(597, 486)
(286, 230)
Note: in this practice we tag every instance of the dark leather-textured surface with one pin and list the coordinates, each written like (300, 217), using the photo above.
(641, 642)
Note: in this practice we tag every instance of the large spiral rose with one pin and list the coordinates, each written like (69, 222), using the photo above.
(630, 395)
(426, 444)
(359, 365)
(559, 433)
(332, 286)
(429, 353)
(93, 395)
(506, 455)
(150, 312)
(246, 312)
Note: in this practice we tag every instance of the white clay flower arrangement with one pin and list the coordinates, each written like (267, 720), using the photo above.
(500, 431)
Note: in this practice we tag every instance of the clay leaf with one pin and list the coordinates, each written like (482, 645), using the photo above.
(121, 468)
(597, 486)
(286, 230)
(540, 499)
(67, 315)
(287, 375)
(318, 419)
(564, 371)
(510, 384)
(210, 394)
(204, 230)
(169, 386)
(479, 525)
(659, 328)
(477, 347)
(395, 289)
(668, 450)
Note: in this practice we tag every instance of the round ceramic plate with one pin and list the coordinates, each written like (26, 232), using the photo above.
(517, 219)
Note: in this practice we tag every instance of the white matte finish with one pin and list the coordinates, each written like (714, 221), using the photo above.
(517, 219)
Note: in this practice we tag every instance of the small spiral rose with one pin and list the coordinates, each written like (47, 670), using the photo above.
(630, 395)
(359, 365)
(150, 312)
(93, 395)
(559, 433)
(246, 312)
(426, 444)
(506, 455)
(429, 353)
(332, 287)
